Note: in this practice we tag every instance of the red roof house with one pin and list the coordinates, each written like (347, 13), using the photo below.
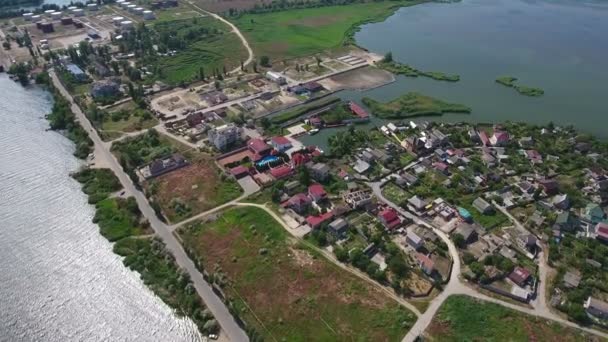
(239, 171)
(426, 264)
(258, 146)
(298, 202)
(317, 192)
(281, 171)
(280, 143)
(499, 138)
(357, 110)
(441, 167)
(520, 276)
(389, 218)
(484, 138)
(299, 159)
(601, 229)
(316, 221)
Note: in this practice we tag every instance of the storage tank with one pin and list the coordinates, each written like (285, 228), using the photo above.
(118, 20)
(125, 4)
(56, 15)
(79, 12)
(92, 7)
(71, 8)
(66, 21)
(36, 18)
(131, 8)
(139, 10)
(48, 12)
(149, 15)
(127, 24)
(28, 16)
(78, 24)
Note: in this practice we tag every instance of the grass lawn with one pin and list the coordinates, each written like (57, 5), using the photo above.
(462, 318)
(286, 291)
(192, 189)
(119, 218)
(214, 50)
(302, 32)
(128, 117)
(395, 194)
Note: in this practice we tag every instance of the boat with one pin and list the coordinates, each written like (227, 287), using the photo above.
(313, 131)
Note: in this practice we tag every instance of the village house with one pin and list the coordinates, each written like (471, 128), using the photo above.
(361, 166)
(565, 221)
(76, 72)
(593, 214)
(280, 143)
(316, 221)
(291, 187)
(601, 231)
(163, 165)
(416, 204)
(482, 206)
(499, 138)
(317, 192)
(389, 218)
(239, 172)
(299, 203)
(338, 227)
(425, 263)
(414, 240)
(281, 171)
(468, 232)
(572, 279)
(259, 147)
(596, 308)
(319, 171)
(550, 186)
(223, 136)
(561, 202)
(105, 88)
(520, 276)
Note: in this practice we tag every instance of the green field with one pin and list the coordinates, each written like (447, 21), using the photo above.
(406, 70)
(128, 117)
(209, 44)
(303, 109)
(462, 318)
(285, 290)
(302, 32)
(411, 105)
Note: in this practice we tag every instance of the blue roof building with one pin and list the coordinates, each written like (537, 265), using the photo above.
(75, 71)
(465, 214)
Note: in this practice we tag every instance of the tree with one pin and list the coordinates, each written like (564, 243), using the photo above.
(265, 123)
(265, 61)
(304, 176)
(242, 66)
(318, 61)
(201, 74)
(388, 57)
(254, 65)
(459, 240)
(398, 266)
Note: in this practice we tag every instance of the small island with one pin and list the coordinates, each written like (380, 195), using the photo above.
(388, 64)
(411, 105)
(509, 81)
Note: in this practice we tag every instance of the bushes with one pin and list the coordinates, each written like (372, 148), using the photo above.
(97, 183)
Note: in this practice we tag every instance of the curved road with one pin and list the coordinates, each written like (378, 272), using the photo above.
(212, 301)
(234, 29)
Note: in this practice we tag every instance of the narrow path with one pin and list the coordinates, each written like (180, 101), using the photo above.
(234, 29)
(212, 301)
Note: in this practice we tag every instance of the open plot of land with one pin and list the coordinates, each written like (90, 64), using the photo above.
(411, 105)
(209, 45)
(127, 117)
(192, 189)
(286, 291)
(302, 32)
(358, 79)
(463, 318)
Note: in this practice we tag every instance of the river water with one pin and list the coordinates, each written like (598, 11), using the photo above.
(560, 46)
(59, 279)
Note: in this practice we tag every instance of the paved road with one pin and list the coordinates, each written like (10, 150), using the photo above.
(213, 302)
(235, 30)
(456, 287)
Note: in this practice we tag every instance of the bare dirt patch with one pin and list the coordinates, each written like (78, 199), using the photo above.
(359, 79)
(322, 20)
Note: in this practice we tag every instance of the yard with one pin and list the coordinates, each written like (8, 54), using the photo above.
(302, 32)
(285, 290)
(395, 194)
(192, 189)
(462, 318)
